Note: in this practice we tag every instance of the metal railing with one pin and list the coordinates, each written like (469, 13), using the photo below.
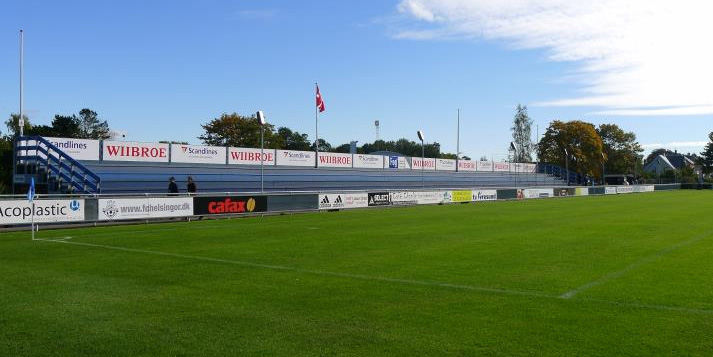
(39, 152)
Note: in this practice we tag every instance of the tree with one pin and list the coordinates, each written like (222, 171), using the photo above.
(91, 127)
(290, 140)
(706, 159)
(620, 149)
(239, 131)
(65, 126)
(13, 124)
(324, 146)
(580, 139)
(522, 135)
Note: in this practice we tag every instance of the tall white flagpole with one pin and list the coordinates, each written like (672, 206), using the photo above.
(316, 127)
(21, 120)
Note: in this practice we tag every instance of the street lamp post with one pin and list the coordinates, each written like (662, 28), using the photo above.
(566, 164)
(423, 156)
(261, 119)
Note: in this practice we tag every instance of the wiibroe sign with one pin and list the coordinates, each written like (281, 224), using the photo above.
(229, 204)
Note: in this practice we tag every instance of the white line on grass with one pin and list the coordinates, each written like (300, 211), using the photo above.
(636, 264)
(383, 279)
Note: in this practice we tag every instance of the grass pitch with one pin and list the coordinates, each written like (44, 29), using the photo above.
(608, 275)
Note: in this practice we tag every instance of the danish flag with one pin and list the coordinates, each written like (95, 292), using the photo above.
(320, 102)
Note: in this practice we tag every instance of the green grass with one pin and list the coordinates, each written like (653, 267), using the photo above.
(477, 279)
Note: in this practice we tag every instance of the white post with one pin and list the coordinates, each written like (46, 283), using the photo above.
(32, 224)
(262, 158)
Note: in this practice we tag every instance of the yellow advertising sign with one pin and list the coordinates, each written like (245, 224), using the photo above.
(462, 196)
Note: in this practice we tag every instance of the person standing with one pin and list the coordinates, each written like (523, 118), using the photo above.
(191, 186)
(172, 187)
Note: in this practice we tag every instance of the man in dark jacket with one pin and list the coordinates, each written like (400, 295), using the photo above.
(172, 187)
(191, 186)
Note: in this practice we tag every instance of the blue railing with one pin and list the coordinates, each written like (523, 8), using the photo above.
(68, 171)
(572, 177)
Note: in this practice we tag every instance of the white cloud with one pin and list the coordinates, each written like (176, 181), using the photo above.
(676, 145)
(637, 57)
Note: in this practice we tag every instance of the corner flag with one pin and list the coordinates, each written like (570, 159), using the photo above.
(31, 190)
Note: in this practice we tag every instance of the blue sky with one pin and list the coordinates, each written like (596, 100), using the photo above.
(158, 70)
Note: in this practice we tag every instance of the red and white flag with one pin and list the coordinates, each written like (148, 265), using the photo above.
(320, 102)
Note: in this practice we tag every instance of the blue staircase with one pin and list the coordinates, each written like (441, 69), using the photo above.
(572, 177)
(36, 156)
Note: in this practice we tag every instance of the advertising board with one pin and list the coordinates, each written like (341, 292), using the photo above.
(609, 190)
(46, 211)
(418, 197)
(486, 166)
(466, 165)
(248, 156)
(428, 163)
(333, 159)
(535, 193)
(484, 195)
(114, 209)
(397, 162)
(624, 189)
(294, 158)
(501, 166)
(134, 151)
(197, 154)
(343, 200)
(445, 165)
(644, 188)
(529, 168)
(461, 196)
(78, 149)
(363, 161)
(379, 199)
(208, 205)
(581, 191)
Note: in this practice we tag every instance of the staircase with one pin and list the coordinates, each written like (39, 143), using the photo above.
(572, 177)
(51, 167)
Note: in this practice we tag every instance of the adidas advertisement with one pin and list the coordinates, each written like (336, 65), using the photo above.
(114, 209)
(229, 204)
(379, 199)
(20, 211)
(343, 200)
(198, 154)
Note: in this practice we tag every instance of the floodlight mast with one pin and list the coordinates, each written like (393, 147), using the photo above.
(262, 121)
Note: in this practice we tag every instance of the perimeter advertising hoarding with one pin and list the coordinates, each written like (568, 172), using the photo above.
(379, 199)
(78, 149)
(501, 166)
(485, 166)
(625, 189)
(114, 209)
(363, 161)
(461, 196)
(332, 159)
(428, 164)
(397, 162)
(207, 205)
(247, 156)
(134, 151)
(466, 165)
(485, 195)
(197, 154)
(418, 197)
(534, 193)
(610, 190)
(294, 158)
(343, 200)
(46, 211)
(445, 164)
(644, 188)
(581, 191)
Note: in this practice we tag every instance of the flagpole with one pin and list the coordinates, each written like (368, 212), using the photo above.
(21, 120)
(316, 129)
(458, 140)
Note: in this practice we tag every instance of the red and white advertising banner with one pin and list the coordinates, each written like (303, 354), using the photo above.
(133, 151)
(363, 161)
(247, 156)
(197, 154)
(294, 158)
(466, 165)
(78, 149)
(529, 168)
(333, 159)
(516, 167)
(428, 164)
(445, 165)
(501, 166)
(486, 166)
